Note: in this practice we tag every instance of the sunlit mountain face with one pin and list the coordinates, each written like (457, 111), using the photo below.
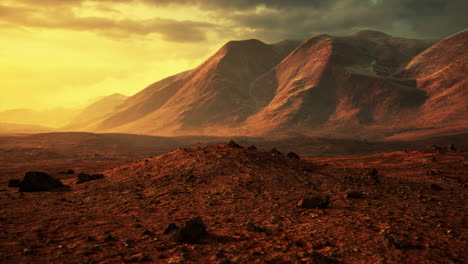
(58, 53)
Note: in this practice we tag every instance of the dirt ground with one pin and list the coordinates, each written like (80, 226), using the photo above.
(405, 207)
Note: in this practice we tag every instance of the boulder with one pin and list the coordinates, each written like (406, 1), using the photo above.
(35, 181)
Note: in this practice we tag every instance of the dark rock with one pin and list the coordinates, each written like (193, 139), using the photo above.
(354, 195)
(321, 201)
(27, 251)
(293, 155)
(192, 232)
(276, 152)
(66, 172)
(84, 177)
(36, 181)
(147, 233)
(233, 144)
(374, 172)
(90, 239)
(436, 187)
(225, 261)
(14, 183)
(140, 257)
(453, 148)
(317, 258)
(252, 147)
(402, 243)
(109, 238)
(251, 227)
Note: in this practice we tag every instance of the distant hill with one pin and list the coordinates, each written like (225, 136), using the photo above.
(95, 111)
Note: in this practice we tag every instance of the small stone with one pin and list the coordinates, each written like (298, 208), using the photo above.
(192, 232)
(276, 152)
(27, 251)
(90, 239)
(252, 147)
(233, 144)
(140, 257)
(171, 227)
(109, 238)
(147, 233)
(251, 227)
(436, 187)
(14, 183)
(354, 195)
(293, 155)
(84, 177)
(321, 201)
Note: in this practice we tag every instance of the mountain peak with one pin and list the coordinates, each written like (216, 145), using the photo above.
(370, 34)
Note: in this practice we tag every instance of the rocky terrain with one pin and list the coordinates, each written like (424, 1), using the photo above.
(247, 205)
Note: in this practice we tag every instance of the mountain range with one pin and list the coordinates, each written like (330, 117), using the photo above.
(365, 85)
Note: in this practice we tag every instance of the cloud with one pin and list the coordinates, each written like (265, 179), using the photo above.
(269, 20)
(63, 18)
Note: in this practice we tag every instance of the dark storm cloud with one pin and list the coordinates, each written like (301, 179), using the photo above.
(269, 20)
(302, 18)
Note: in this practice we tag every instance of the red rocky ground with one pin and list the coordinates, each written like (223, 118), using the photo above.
(411, 210)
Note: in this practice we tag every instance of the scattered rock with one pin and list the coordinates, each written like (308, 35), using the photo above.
(321, 259)
(192, 232)
(374, 172)
(36, 181)
(251, 227)
(84, 177)
(293, 155)
(354, 195)
(147, 233)
(14, 183)
(90, 239)
(453, 148)
(66, 172)
(171, 227)
(140, 257)
(109, 238)
(233, 144)
(27, 251)
(321, 201)
(252, 147)
(276, 152)
(436, 187)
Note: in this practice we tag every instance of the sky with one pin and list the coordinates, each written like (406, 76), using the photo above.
(66, 53)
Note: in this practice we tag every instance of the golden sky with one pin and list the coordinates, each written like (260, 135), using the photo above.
(67, 52)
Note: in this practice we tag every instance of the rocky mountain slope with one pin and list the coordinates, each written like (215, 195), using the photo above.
(366, 84)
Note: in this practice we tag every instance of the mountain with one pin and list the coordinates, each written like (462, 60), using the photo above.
(52, 118)
(11, 128)
(95, 111)
(216, 92)
(367, 84)
(338, 85)
(441, 71)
